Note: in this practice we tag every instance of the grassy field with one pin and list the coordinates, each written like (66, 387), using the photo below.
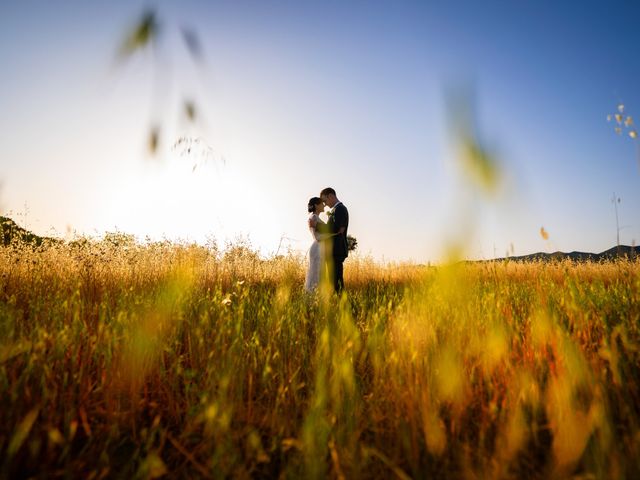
(126, 361)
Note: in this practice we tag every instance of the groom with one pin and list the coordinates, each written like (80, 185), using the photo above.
(338, 224)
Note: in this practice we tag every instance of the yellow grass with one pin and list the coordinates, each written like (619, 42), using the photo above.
(122, 360)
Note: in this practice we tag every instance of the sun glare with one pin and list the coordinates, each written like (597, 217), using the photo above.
(171, 200)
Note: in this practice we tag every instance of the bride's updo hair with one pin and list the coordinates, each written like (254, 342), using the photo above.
(313, 201)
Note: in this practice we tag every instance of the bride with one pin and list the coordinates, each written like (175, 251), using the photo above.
(319, 232)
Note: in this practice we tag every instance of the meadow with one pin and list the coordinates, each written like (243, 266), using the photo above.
(122, 360)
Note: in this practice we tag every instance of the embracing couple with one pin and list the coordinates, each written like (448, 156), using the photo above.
(329, 248)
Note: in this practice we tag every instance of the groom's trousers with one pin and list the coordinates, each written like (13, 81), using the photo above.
(338, 271)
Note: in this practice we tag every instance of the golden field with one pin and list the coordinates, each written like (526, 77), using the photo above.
(120, 360)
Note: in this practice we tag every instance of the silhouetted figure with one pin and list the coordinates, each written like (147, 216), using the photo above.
(338, 225)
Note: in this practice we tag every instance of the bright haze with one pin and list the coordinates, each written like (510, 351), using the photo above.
(290, 97)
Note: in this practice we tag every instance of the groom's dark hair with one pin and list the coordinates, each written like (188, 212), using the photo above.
(327, 191)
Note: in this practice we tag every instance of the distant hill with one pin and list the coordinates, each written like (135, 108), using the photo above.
(11, 233)
(623, 251)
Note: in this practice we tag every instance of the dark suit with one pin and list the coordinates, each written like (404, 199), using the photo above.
(339, 250)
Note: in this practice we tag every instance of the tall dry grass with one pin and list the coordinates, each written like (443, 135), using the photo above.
(125, 360)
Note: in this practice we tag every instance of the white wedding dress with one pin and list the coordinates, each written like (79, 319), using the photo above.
(316, 255)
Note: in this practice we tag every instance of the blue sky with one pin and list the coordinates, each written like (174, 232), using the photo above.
(296, 96)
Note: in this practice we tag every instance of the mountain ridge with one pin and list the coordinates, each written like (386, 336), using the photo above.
(620, 252)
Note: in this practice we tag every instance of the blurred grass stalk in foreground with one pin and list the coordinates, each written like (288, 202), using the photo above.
(476, 165)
